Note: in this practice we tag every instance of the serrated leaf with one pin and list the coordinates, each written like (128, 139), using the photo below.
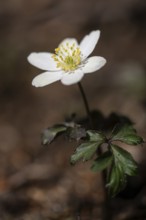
(125, 159)
(117, 180)
(127, 134)
(96, 136)
(85, 152)
(102, 162)
(123, 165)
(49, 134)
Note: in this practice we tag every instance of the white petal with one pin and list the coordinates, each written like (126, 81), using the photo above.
(43, 61)
(93, 64)
(46, 78)
(89, 42)
(72, 77)
(70, 41)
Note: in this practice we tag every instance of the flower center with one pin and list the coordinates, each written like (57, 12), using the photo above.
(67, 56)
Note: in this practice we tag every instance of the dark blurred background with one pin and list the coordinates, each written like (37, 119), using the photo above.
(38, 182)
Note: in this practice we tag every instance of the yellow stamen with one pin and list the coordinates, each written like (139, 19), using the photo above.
(67, 57)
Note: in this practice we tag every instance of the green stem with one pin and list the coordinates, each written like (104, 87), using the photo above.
(106, 212)
(85, 104)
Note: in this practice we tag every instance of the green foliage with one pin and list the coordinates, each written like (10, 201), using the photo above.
(117, 179)
(85, 152)
(49, 134)
(125, 160)
(123, 165)
(71, 129)
(118, 162)
(102, 162)
(96, 136)
(127, 134)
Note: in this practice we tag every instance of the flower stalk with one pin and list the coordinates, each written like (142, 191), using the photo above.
(106, 212)
(85, 104)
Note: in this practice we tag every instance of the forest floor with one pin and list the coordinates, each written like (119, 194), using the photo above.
(38, 182)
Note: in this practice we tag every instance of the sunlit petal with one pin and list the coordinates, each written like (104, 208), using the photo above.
(93, 64)
(89, 42)
(70, 41)
(42, 61)
(46, 78)
(72, 77)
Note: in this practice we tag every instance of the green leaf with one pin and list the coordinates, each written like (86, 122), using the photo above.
(102, 162)
(117, 180)
(96, 136)
(125, 159)
(123, 165)
(49, 134)
(127, 134)
(85, 152)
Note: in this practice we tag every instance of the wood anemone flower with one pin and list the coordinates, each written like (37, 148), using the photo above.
(69, 63)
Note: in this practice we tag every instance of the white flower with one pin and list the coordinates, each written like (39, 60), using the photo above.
(69, 63)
